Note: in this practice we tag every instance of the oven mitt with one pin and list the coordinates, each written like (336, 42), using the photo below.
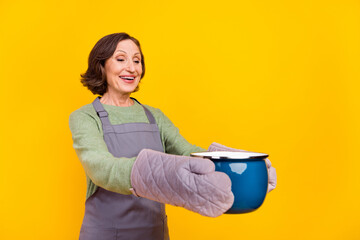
(272, 179)
(183, 181)
(214, 147)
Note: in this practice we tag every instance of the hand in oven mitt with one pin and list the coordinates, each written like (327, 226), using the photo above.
(271, 171)
(183, 181)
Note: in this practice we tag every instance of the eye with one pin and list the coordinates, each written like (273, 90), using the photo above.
(120, 60)
(137, 61)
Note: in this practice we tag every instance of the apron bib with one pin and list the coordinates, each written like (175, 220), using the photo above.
(113, 216)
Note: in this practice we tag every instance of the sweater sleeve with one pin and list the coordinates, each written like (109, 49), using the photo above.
(175, 143)
(100, 165)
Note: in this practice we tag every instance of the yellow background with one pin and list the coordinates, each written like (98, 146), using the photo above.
(280, 77)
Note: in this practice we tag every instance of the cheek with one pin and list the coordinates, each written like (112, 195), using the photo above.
(139, 69)
(112, 75)
(113, 68)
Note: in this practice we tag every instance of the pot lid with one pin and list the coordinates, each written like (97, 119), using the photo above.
(229, 155)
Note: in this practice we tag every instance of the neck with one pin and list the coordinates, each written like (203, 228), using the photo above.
(121, 100)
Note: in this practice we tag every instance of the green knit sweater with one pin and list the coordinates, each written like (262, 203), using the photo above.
(101, 167)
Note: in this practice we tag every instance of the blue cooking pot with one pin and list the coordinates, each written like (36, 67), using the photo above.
(248, 174)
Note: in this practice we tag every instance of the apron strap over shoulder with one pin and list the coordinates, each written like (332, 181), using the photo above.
(147, 112)
(103, 115)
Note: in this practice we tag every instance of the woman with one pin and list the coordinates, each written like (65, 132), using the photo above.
(134, 158)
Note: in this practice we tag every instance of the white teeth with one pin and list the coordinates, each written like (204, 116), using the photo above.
(128, 78)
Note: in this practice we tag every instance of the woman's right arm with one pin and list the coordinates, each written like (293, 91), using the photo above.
(105, 170)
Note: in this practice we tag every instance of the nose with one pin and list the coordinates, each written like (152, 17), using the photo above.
(130, 66)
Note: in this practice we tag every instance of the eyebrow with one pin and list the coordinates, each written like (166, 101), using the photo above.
(125, 52)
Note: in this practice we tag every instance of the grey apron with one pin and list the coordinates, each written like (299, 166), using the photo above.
(110, 215)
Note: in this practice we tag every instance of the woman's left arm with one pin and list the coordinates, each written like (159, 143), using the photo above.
(175, 143)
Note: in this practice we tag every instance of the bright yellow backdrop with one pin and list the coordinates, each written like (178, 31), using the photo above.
(280, 77)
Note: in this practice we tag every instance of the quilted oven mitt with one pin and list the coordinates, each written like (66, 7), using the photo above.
(183, 181)
(271, 170)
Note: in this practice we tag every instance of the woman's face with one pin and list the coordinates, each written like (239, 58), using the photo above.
(123, 69)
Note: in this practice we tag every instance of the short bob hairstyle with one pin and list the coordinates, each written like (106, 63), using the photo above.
(95, 77)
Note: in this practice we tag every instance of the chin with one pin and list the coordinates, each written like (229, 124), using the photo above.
(127, 90)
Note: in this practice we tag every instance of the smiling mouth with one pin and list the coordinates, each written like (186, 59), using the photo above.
(127, 78)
